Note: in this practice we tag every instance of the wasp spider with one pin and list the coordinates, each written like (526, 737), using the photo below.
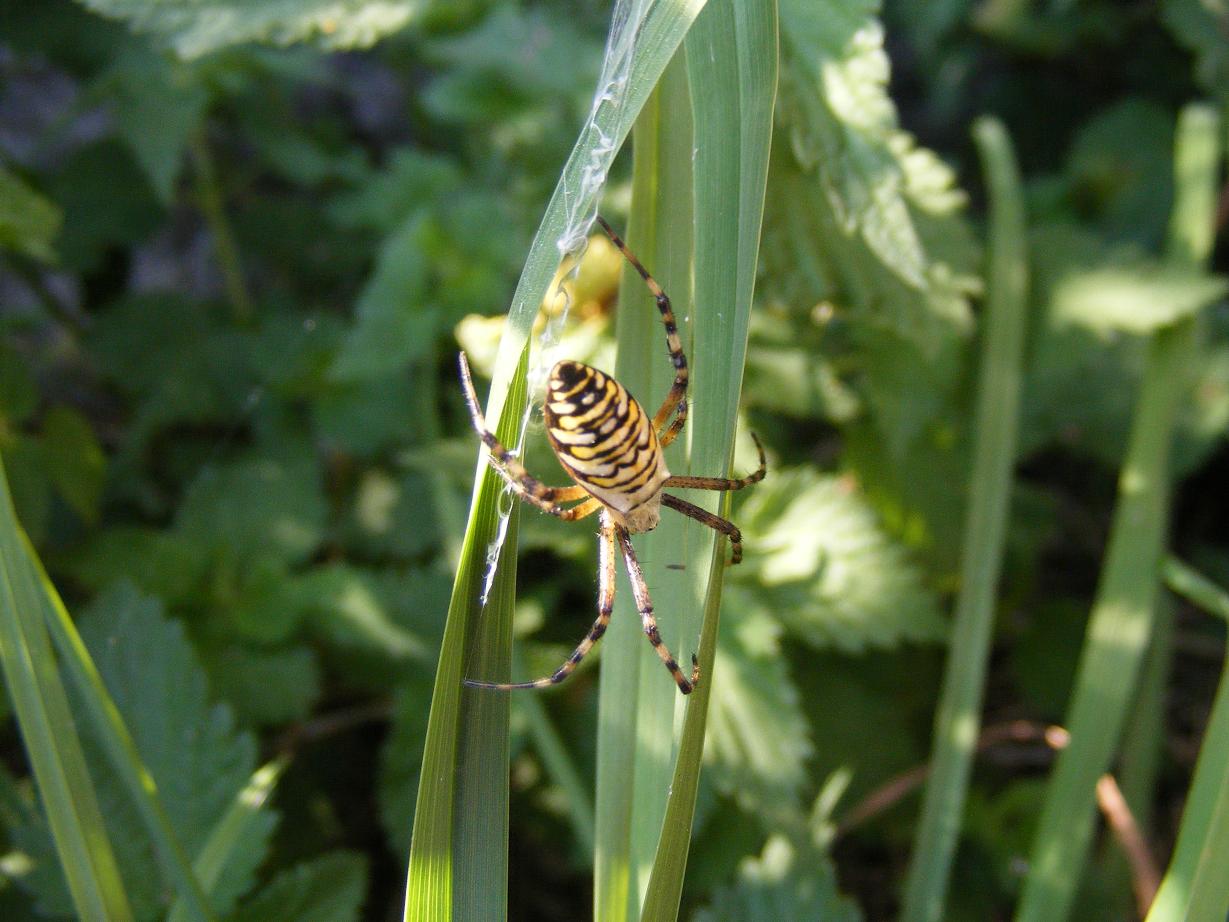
(613, 451)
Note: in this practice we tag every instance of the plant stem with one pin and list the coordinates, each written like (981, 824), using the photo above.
(209, 194)
(959, 716)
(1122, 621)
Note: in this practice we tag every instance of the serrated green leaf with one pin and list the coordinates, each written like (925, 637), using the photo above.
(1137, 298)
(29, 222)
(1119, 170)
(266, 686)
(160, 689)
(260, 508)
(99, 215)
(160, 562)
(395, 318)
(1202, 27)
(389, 518)
(18, 394)
(818, 559)
(780, 885)
(758, 739)
(29, 483)
(75, 462)
(196, 28)
(158, 105)
(327, 889)
(237, 844)
(834, 78)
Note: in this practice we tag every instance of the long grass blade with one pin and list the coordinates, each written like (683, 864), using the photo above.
(121, 749)
(50, 735)
(443, 864)
(959, 716)
(732, 67)
(1122, 617)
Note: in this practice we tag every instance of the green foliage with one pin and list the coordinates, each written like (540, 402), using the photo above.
(843, 584)
(29, 222)
(327, 889)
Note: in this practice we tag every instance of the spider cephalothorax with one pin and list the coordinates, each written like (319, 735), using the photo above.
(613, 451)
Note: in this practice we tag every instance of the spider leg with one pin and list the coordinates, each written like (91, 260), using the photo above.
(721, 483)
(528, 487)
(605, 604)
(645, 606)
(715, 522)
(676, 399)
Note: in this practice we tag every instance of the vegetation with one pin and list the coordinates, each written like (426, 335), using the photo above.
(956, 265)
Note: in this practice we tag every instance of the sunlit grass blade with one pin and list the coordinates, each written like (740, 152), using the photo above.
(121, 750)
(50, 736)
(1201, 846)
(635, 740)
(1121, 622)
(959, 714)
(695, 219)
(732, 66)
(445, 862)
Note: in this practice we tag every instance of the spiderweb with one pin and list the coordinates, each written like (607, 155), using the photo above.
(602, 134)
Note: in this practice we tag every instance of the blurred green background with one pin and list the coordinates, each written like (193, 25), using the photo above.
(240, 246)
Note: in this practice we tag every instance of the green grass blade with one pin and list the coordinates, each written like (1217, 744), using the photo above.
(121, 749)
(1196, 588)
(635, 738)
(998, 406)
(732, 66)
(50, 735)
(649, 753)
(465, 728)
(462, 777)
(1205, 806)
(1122, 617)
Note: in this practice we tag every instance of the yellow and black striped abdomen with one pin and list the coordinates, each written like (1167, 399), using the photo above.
(606, 442)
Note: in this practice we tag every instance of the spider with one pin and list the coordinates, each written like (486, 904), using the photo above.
(613, 451)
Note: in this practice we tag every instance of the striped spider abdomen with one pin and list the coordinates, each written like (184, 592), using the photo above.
(607, 444)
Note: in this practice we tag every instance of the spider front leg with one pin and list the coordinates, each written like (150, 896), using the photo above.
(605, 604)
(677, 398)
(715, 522)
(644, 605)
(524, 484)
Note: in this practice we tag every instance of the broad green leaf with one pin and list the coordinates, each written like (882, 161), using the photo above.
(819, 561)
(395, 315)
(784, 883)
(326, 889)
(160, 562)
(158, 105)
(238, 841)
(1138, 298)
(758, 739)
(120, 212)
(1119, 171)
(29, 222)
(18, 394)
(256, 509)
(843, 125)
(195, 28)
(266, 686)
(1202, 26)
(190, 747)
(75, 462)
